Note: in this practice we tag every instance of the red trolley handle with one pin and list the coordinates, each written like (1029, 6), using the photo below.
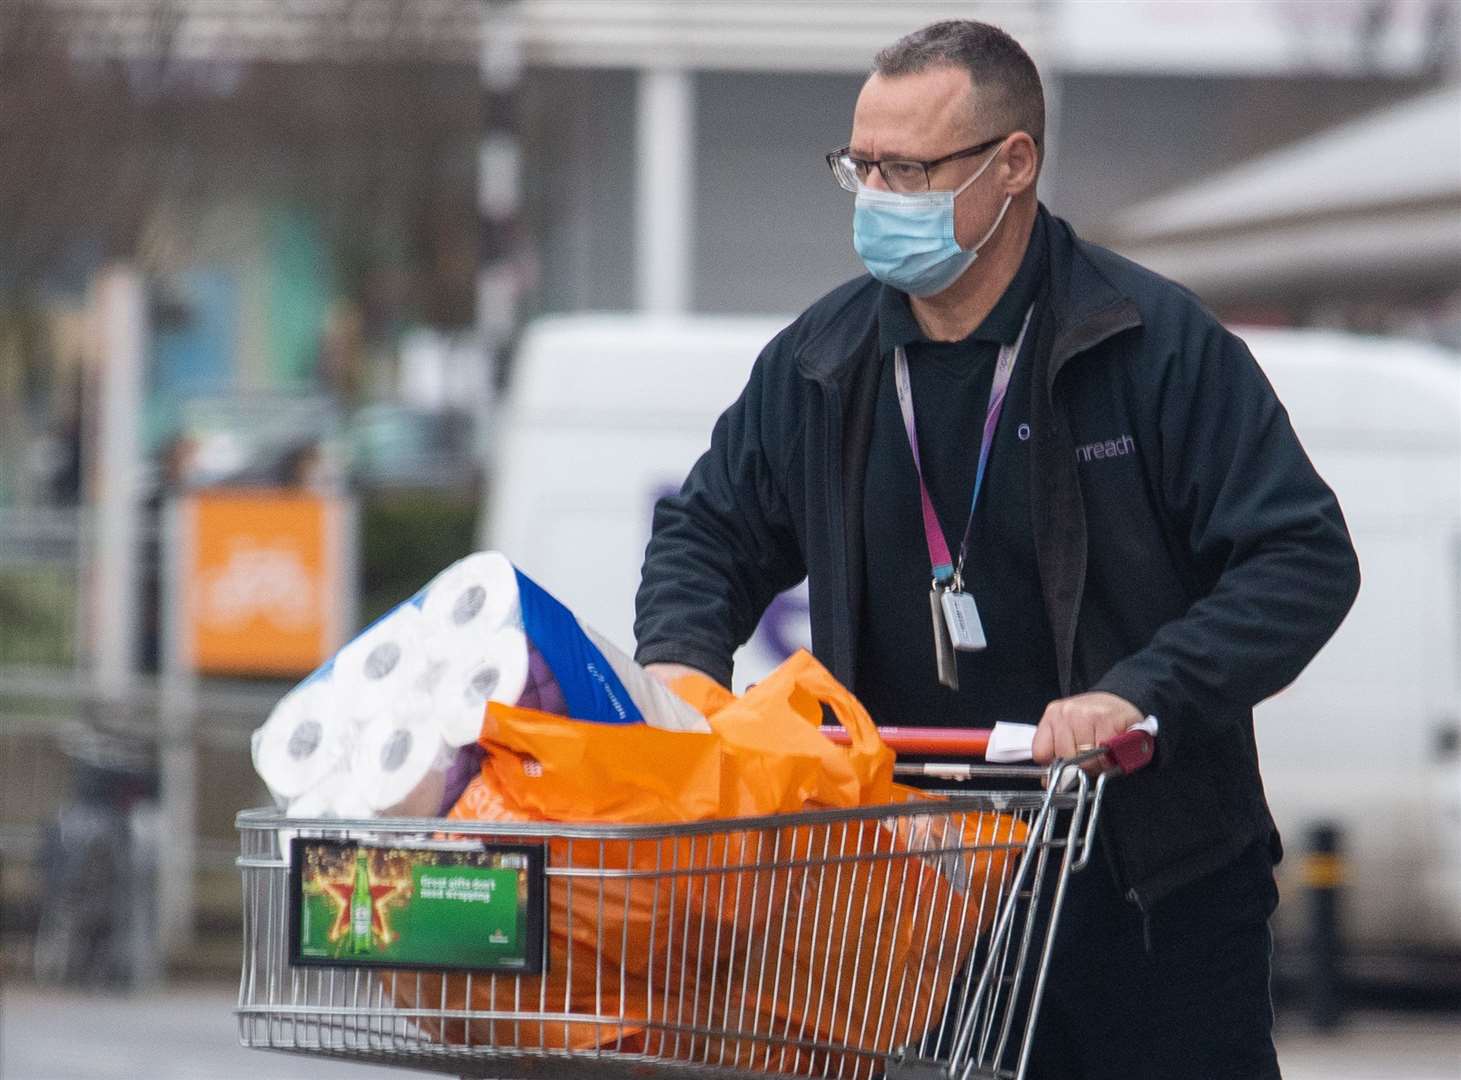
(1128, 751)
(959, 742)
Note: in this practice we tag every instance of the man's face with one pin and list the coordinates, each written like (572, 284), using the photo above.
(922, 117)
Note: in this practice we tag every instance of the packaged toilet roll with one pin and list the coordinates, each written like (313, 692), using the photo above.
(498, 671)
(660, 706)
(350, 803)
(384, 664)
(303, 741)
(337, 796)
(598, 681)
(471, 600)
(389, 727)
(332, 799)
(399, 766)
(318, 801)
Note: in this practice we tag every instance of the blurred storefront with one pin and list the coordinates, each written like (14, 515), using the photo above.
(295, 183)
(238, 265)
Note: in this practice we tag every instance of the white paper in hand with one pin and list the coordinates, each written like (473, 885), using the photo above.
(1010, 743)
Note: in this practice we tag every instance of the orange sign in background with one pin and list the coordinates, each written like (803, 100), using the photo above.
(263, 582)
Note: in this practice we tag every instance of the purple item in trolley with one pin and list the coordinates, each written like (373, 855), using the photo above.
(541, 693)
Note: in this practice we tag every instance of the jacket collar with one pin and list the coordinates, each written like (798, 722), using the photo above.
(1087, 309)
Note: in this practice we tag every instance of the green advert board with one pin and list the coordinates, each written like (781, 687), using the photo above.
(445, 906)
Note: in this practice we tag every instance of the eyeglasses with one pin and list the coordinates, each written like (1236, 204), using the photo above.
(904, 177)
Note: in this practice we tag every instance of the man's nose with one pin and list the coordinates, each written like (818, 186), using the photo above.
(875, 179)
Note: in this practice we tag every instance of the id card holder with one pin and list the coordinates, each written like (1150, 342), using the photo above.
(961, 616)
(943, 651)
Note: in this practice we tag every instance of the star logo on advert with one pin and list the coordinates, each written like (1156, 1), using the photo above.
(260, 581)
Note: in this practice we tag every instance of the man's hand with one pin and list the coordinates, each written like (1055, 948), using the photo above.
(668, 673)
(1076, 724)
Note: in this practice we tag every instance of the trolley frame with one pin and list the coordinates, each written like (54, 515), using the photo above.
(962, 1025)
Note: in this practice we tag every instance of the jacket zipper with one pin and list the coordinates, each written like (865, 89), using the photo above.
(842, 649)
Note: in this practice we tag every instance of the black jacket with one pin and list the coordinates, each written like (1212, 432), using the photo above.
(1191, 560)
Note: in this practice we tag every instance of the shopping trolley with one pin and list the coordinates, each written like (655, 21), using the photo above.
(770, 941)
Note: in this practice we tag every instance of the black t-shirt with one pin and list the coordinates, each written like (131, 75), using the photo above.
(1015, 676)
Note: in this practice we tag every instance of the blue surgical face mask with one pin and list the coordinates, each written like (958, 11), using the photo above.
(908, 241)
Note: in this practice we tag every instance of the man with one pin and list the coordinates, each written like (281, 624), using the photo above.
(1147, 537)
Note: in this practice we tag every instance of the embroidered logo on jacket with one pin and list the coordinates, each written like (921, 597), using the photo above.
(1108, 448)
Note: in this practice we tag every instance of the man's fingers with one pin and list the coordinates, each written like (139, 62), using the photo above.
(1064, 740)
(1043, 751)
(1072, 726)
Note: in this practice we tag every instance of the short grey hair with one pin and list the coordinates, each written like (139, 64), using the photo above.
(1004, 76)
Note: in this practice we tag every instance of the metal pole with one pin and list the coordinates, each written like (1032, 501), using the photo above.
(500, 271)
(177, 860)
(120, 308)
(664, 189)
(342, 541)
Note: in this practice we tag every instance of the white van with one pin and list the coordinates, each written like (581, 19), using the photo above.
(1366, 737)
(609, 411)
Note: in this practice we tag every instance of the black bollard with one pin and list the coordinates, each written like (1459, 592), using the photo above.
(1324, 872)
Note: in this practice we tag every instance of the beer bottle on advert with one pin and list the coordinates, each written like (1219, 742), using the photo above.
(360, 907)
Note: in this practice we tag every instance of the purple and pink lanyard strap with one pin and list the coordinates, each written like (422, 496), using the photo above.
(947, 573)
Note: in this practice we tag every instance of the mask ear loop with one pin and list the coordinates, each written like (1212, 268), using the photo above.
(985, 239)
(1002, 210)
(977, 174)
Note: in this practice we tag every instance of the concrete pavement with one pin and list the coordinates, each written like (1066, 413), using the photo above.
(189, 1033)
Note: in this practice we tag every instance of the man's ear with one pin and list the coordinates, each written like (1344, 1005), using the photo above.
(1022, 163)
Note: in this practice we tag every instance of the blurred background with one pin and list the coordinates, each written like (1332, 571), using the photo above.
(300, 300)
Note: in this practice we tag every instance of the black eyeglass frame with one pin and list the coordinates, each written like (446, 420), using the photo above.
(968, 152)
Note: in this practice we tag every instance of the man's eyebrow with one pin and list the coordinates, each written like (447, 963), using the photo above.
(896, 155)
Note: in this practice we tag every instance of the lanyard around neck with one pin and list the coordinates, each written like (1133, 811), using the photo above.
(945, 571)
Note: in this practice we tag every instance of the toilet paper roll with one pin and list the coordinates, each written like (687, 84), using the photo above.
(471, 600)
(331, 799)
(498, 671)
(337, 796)
(350, 802)
(400, 764)
(660, 706)
(383, 664)
(303, 740)
(314, 804)
(319, 801)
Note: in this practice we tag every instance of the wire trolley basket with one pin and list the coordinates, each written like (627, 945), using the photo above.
(909, 940)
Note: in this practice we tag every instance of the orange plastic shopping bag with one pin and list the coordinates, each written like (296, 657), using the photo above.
(764, 754)
(778, 761)
(859, 929)
(768, 935)
(860, 932)
(556, 769)
(584, 977)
